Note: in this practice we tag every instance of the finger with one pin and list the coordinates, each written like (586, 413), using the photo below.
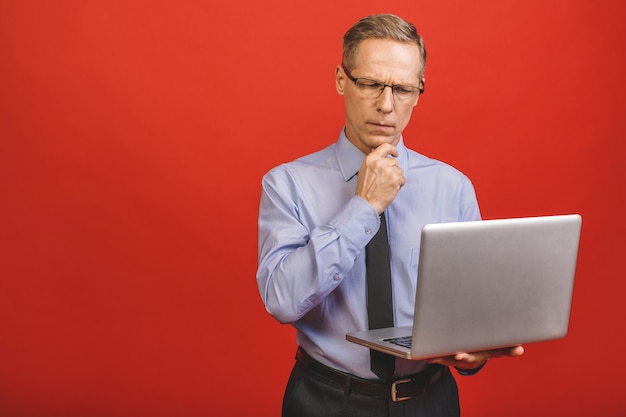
(384, 162)
(510, 351)
(385, 166)
(384, 150)
(445, 360)
(470, 360)
(403, 181)
(498, 353)
(513, 351)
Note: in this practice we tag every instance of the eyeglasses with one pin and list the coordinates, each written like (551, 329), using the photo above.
(373, 89)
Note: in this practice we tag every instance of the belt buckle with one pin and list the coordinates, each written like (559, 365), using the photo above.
(394, 390)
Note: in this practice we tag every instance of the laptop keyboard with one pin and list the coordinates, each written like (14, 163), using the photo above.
(404, 341)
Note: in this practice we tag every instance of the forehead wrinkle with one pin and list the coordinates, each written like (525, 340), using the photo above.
(388, 79)
(389, 64)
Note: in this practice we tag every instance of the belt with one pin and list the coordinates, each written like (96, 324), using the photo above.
(399, 390)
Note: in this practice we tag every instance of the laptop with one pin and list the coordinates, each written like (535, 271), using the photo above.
(485, 285)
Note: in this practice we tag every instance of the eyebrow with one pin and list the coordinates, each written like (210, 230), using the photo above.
(352, 77)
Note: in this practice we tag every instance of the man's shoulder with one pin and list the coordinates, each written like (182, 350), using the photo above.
(320, 159)
(310, 166)
(418, 161)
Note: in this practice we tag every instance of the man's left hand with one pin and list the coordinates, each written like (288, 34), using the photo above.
(469, 361)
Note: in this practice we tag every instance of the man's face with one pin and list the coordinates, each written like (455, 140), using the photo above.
(371, 122)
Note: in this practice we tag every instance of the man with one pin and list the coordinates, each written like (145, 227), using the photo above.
(318, 214)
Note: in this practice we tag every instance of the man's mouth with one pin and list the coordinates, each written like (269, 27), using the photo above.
(381, 125)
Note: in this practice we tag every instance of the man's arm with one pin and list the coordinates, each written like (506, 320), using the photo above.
(300, 264)
(299, 267)
(465, 363)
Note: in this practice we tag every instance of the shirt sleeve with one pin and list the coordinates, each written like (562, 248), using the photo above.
(470, 210)
(301, 263)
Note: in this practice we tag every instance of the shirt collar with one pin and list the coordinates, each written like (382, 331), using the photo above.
(350, 157)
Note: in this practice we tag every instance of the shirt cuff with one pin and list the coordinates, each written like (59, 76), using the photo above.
(470, 372)
(358, 222)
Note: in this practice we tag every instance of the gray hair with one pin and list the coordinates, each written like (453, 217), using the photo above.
(381, 26)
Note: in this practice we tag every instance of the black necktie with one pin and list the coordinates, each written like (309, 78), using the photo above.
(379, 304)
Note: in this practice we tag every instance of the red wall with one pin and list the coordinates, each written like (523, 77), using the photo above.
(133, 137)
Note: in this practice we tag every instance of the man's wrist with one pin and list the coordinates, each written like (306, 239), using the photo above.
(470, 372)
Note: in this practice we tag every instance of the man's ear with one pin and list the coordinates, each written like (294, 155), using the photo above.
(340, 80)
(422, 84)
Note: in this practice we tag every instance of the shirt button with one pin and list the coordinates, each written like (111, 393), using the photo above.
(337, 277)
(368, 231)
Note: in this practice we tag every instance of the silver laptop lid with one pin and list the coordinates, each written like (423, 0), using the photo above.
(494, 283)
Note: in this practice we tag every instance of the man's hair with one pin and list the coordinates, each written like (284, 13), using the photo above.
(381, 26)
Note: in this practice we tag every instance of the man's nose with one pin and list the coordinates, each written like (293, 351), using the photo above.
(384, 101)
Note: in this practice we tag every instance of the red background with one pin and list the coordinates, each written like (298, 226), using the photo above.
(134, 135)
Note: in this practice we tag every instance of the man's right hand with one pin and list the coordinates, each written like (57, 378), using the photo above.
(380, 178)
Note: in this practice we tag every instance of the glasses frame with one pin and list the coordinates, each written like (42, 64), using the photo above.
(420, 88)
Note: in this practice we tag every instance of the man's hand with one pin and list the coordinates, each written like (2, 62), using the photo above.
(469, 361)
(380, 178)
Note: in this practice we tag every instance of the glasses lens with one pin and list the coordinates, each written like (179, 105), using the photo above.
(373, 89)
(403, 92)
(369, 88)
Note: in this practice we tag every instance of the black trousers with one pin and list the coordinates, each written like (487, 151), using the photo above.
(307, 395)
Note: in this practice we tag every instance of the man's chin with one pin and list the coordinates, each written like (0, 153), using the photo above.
(376, 140)
(369, 141)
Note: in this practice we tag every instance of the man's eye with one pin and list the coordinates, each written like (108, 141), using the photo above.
(370, 85)
(398, 89)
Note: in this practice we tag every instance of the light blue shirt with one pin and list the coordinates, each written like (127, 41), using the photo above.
(312, 234)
